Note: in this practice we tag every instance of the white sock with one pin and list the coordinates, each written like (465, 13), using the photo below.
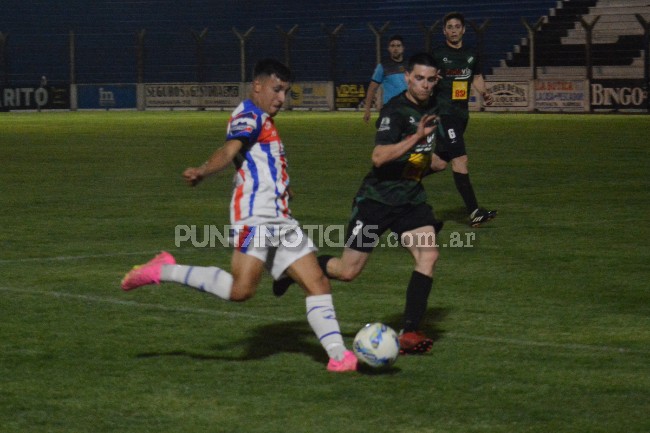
(322, 319)
(206, 279)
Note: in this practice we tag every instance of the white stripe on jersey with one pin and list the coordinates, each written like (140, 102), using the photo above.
(262, 180)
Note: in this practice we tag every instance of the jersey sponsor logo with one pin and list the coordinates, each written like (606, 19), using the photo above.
(244, 122)
(459, 74)
(424, 147)
(417, 165)
(384, 125)
(459, 90)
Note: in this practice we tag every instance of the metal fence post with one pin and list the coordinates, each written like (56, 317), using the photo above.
(428, 35)
(4, 62)
(73, 73)
(242, 51)
(646, 53)
(532, 36)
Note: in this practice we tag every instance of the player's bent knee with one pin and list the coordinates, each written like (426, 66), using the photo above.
(438, 165)
(241, 293)
(349, 273)
(427, 259)
(319, 286)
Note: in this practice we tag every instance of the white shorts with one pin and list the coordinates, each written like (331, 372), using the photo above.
(277, 245)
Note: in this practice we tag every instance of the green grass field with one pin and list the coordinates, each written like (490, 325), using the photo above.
(542, 323)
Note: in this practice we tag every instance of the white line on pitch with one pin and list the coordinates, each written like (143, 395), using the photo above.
(83, 257)
(462, 336)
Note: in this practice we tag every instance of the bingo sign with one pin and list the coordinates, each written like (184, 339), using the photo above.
(614, 95)
(561, 95)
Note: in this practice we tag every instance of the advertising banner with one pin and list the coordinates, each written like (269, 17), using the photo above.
(205, 95)
(614, 95)
(510, 95)
(312, 95)
(561, 95)
(474, 103)
(349, 95)
(34, 98)
(106, 96)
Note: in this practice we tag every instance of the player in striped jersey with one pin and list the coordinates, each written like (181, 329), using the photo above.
(259, 211)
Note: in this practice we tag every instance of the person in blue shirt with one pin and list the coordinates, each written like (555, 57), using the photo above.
(389, 74)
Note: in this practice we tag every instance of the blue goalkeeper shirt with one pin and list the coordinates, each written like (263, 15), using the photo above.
(390, 74)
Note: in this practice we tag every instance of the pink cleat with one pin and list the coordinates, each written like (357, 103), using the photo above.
(348, 363)
(149, 273)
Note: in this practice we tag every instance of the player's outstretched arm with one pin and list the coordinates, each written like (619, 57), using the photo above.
(219, 160)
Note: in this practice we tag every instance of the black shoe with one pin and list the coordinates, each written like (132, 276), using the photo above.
(281, 286)
(481, 216)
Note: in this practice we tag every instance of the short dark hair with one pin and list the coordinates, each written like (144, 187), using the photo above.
(268, 67)
(396, 38)
(424, 59)
(454, 15)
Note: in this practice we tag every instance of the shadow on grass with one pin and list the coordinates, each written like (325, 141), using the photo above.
(294, 337)
(430, 323)
(458, 214)
(263, 342)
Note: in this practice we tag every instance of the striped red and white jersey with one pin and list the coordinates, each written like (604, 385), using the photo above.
(261, 183)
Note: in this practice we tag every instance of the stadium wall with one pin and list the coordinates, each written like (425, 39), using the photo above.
(74, 54)
(544, 95)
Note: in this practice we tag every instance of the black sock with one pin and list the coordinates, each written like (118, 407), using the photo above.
(322, 262)
(464, 187)
(417, 296)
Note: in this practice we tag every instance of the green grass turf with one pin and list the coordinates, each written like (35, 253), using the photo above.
(541, 325)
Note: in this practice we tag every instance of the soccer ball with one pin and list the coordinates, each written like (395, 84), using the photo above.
(376, 345)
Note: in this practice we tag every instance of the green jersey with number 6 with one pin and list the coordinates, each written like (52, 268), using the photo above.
(458, 66)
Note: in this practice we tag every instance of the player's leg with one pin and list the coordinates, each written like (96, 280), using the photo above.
(454, 137)
(421, 245)
(321, 315)
(344, 268)
(437, 163)
(454, 130)
(247, 271)
(417, 228)
(367, 223)
(240, 285)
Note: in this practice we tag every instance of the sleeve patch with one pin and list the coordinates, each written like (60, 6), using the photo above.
(384, 124)
(244, 123)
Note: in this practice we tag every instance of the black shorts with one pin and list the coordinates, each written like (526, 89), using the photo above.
(370, 219)
(450, 141)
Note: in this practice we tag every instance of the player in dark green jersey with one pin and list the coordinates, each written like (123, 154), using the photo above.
(391, 197)
(460, 69)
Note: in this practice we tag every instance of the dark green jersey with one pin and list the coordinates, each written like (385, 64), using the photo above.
(458, 68)
(398, 182)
